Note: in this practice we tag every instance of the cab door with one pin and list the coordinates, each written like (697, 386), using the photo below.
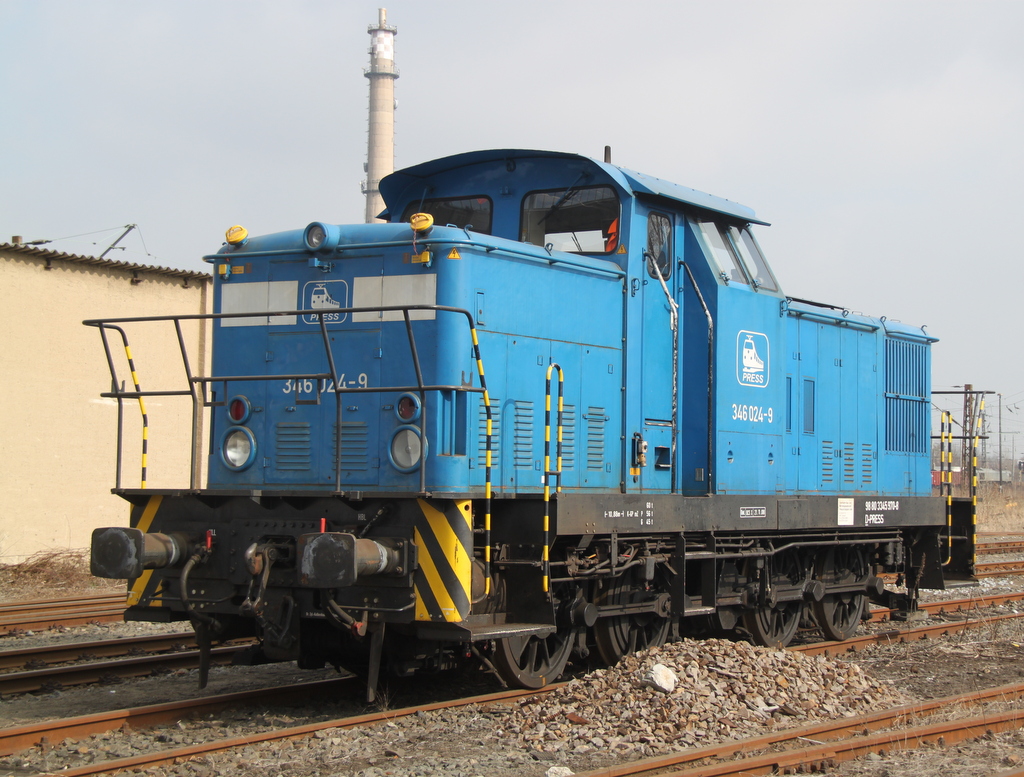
(659, 357)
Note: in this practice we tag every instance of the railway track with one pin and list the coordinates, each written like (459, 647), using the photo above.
(56, 677)
(38, 657)
(999, 569)
(801, 747)
(991, 548)
(34, 669)
(846, 739)
(20, 738)
(50, 613)
(14, 740)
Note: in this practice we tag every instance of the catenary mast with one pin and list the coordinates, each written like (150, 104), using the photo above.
(380, 155)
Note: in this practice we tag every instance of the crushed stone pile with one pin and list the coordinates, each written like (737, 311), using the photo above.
(722, 690)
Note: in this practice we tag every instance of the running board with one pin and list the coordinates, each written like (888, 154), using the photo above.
(458, 632)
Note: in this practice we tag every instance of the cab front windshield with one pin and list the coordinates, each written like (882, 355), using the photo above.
(577, 220)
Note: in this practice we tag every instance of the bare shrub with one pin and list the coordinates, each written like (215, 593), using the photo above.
(52, 574)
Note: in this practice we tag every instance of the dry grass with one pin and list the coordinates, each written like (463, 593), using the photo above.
(50, 575)
(1001, 509)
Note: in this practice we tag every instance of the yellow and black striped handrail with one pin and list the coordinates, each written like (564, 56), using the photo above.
(487, 465)
(946, 477)
(138, 395)
(974, 463)
(549, 473)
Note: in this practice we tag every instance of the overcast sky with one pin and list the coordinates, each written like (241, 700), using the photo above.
(882, 140)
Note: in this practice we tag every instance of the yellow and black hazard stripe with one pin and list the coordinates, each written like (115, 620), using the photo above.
(443, 578)
(144, 586)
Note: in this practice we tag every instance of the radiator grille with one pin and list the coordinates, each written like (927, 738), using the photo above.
(355, 440)
(568, 437)
(522, 440)
(827, 462)
(595, 438)
(849, 465)
(482, 431)
(867, 464)
(292, 446)
(906, 397)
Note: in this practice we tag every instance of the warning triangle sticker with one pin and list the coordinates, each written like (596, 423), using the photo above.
(454, 254)
(622, 250)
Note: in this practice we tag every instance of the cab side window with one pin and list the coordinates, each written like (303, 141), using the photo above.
(722, 252)
(580, 220)
(659, 246)
(472, 212)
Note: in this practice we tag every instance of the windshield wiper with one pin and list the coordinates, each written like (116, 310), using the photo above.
(573, 188)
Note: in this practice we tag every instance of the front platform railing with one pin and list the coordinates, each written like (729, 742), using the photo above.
(199, 388)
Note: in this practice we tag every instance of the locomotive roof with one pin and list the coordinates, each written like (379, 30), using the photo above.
(393, 185)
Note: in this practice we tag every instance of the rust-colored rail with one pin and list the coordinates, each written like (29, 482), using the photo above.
(169, 756)
(900, 635)
(1015, 546)
(35, 658)
(46, 614)
(953, 605)
(14, 740)
(999, 569)
(82, 674)
(820, 756)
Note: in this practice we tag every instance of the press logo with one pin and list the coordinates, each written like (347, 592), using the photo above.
(325, 297)
(752, 359)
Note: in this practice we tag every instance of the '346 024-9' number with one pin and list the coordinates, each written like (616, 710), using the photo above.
(326, 386)
(755, 414)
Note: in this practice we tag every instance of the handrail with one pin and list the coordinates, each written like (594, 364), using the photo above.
(199, 383)
(490, 248)
(549, 473)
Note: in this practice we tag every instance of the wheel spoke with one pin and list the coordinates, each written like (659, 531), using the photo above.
(838, 614)
(620, 635)
(533, 662)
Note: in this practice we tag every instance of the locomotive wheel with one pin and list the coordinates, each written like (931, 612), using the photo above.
(838, 615)
(620, 635)
(775, 626)
(533, 662)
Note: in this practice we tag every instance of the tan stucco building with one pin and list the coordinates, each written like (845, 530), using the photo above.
(57, 435)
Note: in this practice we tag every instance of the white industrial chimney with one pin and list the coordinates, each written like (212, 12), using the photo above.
(380, 154)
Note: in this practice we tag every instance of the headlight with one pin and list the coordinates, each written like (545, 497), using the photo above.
(315, 236)
(407, 448)
(238, 448)
(321, 237)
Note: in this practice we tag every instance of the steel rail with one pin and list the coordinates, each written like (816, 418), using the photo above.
(19, 738)
(953, 605)
(1016, 546)
(82, 674)
(824, 754)
(999, 569)
(42, 605)
(38, 616)
(900, 635)
(32, 658)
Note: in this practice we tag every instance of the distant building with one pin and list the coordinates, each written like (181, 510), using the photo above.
(57, 435)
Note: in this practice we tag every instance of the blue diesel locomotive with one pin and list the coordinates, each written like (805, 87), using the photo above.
(552, 407)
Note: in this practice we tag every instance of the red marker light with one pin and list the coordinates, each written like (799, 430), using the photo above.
(407, 407)
(323, 525)
(209, 539)
(238, 410)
